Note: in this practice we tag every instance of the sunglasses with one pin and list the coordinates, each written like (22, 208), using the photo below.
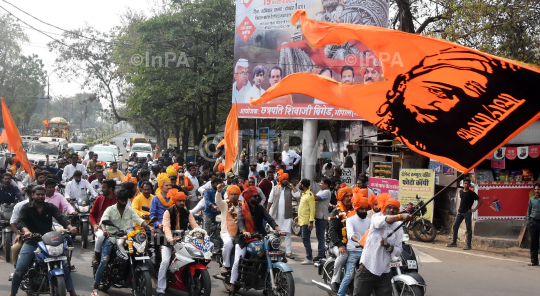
(256, 195)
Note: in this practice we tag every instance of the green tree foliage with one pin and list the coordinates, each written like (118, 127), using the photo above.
(21, 77)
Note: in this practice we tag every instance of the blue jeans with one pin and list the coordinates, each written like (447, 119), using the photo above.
(306, 233)
(26, 257)
(354, 256)
(320, 230)
(105, 255)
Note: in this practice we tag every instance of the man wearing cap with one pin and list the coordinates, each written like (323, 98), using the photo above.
(337, 232)
(241, 80)
(373, 274)
(280, 208)
(357, 225)
(176, 217)
(229, 222)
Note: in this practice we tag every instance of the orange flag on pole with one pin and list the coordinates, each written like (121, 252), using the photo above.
(231, 138)
(443, 100)
(221, 143)
(3, 137)
(14, 139)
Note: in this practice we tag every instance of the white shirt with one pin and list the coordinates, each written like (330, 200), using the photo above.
(281, 205)
(254, 92)
(206, 186)
(124, 221)
(16, 210)
(236, 93)
(70, 169)
(374, 257)
(195, 183)
(263, 166)
(78, 190)
(288, 157)
(357, 227)
(96, 185)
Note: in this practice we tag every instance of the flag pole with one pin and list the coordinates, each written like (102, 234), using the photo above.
(426, 203)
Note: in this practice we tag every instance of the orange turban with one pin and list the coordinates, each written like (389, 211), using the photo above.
(283, 176)
(343, 185)
(359, 201)
(176, 166)
(221, 167)
(249, 191)
(178, 196)
(341, 193)
(384, 200)
(129, 178)
(372, 200)
(233, 189)
(355, 190)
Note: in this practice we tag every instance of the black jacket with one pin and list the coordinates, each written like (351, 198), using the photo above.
(184, 218)
(258, 213)
(335, 227)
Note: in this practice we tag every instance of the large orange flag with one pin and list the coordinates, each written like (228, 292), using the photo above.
(231, 138)
(445, 101)
(14, 139)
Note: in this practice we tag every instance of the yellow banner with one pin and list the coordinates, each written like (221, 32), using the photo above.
(417, 182)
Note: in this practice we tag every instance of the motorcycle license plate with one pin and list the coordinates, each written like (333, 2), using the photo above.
(411, 264)
(61, 258)
(142, 258)
(396, 264)
(274, 253)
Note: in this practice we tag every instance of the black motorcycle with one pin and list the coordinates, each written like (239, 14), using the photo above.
(422, 228)
(6, 210)
(83, 206)
(127, 266)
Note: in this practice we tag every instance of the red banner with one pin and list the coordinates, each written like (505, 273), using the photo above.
(534, 151)
(504, 201)
(300, 111)
(511, 153)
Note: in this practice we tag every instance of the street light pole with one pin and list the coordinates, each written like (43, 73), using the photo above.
(48, 96)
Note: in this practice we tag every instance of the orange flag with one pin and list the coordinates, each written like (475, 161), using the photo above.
(443, 100)
(14, 139)
(3, 137)
(231, 138)
(221, 143)
(46, 123)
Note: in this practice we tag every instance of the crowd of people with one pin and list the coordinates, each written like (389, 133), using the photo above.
(247, 198)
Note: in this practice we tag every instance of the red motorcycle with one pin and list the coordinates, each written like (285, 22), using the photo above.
(190, 255)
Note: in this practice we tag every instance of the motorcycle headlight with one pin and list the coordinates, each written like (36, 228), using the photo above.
(405, 237)
(275, 243)
(193, 251)
(139, 247)
(55, 251)
(85, 209)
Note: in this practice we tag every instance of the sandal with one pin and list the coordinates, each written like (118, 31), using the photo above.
(533, 264)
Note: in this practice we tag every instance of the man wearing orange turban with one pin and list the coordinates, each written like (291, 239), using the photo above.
(357, 226)
(280, 208)
(375, 274)
(373, 204)
(176, 217)
(338, 233)
(229, 209)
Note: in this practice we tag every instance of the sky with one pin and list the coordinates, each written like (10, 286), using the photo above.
(68, 15)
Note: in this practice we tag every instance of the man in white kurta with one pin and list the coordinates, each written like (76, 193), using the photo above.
(280, 207)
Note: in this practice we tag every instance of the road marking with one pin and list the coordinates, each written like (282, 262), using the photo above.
(425, 258)
(467, 253)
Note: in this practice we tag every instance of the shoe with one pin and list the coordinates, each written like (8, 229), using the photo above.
(224, 270)
(317, 259)
(10, 277)
(290, 255)
(451, 245)
(335, 287)
(467, 248)
(307, 262)
(94, 293)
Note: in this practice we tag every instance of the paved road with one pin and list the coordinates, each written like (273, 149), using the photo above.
(448, 272)
(118, 141)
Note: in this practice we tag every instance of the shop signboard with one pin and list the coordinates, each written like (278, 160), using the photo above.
(349, 176)
(417, 183)
(268, 47)
(498, 163)
(382, 185)
(503, 200)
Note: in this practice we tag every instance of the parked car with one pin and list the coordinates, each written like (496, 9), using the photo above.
(143, 150)
(80, 148)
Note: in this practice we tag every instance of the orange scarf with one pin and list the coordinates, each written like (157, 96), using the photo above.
(248, 220)
(170, 194)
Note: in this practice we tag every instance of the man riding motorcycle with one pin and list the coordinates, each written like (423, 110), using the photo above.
(105, 200)
(250, 221)
(229, 225)
(121, 216)
(8, 192)
(37, 217)
(176, 217)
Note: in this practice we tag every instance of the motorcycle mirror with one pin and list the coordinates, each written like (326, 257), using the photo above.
(153, 220)
(145, 208)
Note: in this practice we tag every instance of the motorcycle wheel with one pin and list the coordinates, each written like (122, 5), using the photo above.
(84, 234)
(58, 286)
(296, 229)
(144, 288)
(425, 231)
(284, 282)
(405, 290)
(7, 245)
(328, 272)
(203, 286)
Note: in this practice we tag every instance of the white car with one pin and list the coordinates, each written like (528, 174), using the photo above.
(80, 148)
(109, 148)
(107, 157)
(37, 152)
(143, 150)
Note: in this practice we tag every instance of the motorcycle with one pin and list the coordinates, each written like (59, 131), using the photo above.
(263, 268)
(7, 234)
(81, 221)
(189, 260)
(406, 280)
(130, 166)
(126, 267)
(422, 228)
(46, 274)
(296, 229)
(215, 238)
